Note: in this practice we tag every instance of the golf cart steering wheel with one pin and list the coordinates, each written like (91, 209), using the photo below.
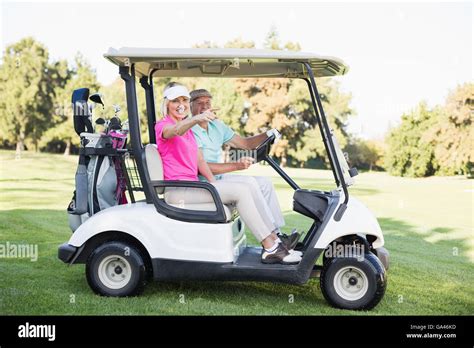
(264, 148)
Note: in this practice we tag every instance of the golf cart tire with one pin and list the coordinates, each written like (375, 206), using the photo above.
(116, 260)
(368, 268)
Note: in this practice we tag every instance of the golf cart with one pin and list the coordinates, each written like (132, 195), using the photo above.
(124, 245)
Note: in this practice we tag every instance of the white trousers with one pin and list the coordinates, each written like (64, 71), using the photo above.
(249, 204)
(264, 186)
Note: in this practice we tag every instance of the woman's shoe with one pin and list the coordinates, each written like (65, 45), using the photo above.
(296, 252)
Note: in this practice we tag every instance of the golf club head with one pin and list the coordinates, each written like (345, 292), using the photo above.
(97, 98)
(115, 123)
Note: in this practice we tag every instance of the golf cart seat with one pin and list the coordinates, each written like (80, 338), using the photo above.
(155, 171)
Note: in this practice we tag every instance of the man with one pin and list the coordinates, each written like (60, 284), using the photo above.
(210, 136)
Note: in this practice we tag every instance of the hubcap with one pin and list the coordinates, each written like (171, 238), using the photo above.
(351, 283)
(114, 272)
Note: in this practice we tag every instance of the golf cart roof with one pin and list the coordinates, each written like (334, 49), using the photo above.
(223, 62)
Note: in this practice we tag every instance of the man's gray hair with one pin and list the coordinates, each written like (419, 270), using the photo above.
(198, 93)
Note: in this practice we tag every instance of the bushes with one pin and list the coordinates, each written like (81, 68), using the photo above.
(408, 154)
(437, 141)
(365, 154)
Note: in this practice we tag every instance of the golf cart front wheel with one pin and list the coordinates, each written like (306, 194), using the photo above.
(116, 269)
(356, 283)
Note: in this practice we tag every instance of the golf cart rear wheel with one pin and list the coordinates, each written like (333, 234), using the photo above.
(356, 283)
(116, 269)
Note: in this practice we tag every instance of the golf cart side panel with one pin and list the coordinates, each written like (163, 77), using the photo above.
(254, 270)
(162, 237)
(357, 219)
(248, 265)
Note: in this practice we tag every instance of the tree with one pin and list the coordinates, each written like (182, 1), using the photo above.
(266, 100)
(378, 150)
(224, 94)
(285, 104)
(410, 152)
(272, 40)
(62, 131)
(114, 94)
(27, 86)
(365, 154)
(239, 43)
(453, 133)
(306, 143)
(253, 105)
(437, 141)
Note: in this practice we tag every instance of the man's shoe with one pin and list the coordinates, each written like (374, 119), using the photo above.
(280, 255)
(290, 241)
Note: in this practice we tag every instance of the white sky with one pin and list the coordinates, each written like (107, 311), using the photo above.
(398, 53)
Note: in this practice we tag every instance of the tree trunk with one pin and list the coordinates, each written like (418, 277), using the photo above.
(370, 167)
(20, 145)
(35, 139)
(67, 151)
(283, 161)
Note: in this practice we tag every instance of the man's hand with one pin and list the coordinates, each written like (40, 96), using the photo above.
(244, 163)
(207, 116)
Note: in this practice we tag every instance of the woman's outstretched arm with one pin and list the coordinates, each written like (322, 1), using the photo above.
(183, 126)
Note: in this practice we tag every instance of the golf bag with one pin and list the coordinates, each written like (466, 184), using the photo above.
(100, 180)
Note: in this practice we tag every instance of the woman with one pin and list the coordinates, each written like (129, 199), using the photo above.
(182, 160)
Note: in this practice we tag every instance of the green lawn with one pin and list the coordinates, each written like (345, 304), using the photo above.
(428, 226)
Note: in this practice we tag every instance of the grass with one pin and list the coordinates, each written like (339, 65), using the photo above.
(428, 227)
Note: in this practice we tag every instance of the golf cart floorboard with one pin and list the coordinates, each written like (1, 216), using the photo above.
(251, 258)
(247, 267)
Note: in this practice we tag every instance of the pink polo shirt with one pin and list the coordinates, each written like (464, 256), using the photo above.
(179, 153)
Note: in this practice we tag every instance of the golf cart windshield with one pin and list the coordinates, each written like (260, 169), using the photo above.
(341, 157)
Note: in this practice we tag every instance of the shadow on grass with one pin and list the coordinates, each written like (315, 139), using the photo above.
(252, 297)
(411, 238)
(433, 257)
(441, 230)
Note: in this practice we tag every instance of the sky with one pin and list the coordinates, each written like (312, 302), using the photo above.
(398, 53)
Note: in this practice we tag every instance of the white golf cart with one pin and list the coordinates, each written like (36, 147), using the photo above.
(125, 245)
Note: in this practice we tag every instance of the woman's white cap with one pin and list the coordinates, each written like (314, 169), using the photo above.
(175, 92)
